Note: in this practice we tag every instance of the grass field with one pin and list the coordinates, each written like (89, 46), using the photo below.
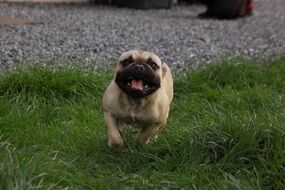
(226, 131)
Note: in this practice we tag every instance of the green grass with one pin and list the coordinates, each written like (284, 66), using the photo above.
(226, 131)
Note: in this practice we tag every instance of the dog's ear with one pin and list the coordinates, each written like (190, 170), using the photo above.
(163, 66)
(115, 66)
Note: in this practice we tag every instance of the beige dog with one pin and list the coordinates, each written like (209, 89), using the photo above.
(140, 94)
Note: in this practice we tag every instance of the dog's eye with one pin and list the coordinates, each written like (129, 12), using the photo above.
(153, 65)
(127, 61)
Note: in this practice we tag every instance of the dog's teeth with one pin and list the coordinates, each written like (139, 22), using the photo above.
(146, 86)
(129, 83)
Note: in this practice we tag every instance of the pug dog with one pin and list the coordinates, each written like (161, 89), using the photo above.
(140, 94)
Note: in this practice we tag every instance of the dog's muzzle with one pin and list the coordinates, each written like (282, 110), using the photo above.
(137, 80)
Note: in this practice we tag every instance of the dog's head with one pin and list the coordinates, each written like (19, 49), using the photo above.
(139, 73)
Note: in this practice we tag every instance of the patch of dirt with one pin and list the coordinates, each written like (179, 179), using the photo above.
(6, 20)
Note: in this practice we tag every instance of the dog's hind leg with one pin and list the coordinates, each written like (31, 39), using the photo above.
(148, 134)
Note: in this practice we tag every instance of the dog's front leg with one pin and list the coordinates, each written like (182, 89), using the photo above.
(148, 134)
(115, 141)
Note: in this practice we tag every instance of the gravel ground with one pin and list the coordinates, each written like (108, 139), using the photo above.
(98, 34)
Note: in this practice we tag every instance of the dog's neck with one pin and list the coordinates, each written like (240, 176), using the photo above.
(138, 102)
(135, 103)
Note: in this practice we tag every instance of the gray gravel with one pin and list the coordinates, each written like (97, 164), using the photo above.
(98, 34)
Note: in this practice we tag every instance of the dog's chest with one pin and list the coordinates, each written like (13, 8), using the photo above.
(137, 116)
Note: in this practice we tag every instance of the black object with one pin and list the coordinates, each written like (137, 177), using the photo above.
(102, 2)
(227, 8)
(144, 4)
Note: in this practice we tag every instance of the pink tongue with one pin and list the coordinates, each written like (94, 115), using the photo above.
(137, 84)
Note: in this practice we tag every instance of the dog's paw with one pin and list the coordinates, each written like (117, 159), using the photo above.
(115, 145)
(151, 139)
(141, 139)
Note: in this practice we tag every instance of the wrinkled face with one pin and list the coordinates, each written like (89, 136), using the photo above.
(138, 73)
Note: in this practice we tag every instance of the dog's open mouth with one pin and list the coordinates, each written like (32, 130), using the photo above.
(137, 84)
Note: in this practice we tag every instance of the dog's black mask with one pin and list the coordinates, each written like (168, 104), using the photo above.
(137, 80)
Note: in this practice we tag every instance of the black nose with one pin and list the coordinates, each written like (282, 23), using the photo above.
(140, 67)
